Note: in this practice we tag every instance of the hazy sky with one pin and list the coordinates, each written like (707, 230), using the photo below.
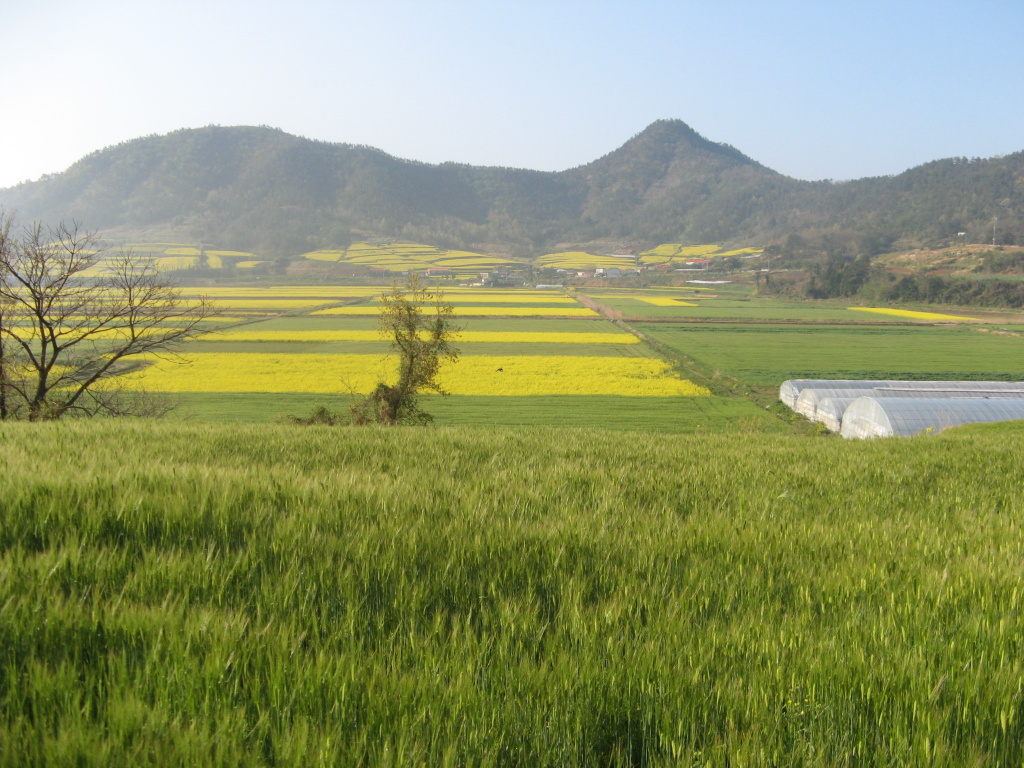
(826, 89)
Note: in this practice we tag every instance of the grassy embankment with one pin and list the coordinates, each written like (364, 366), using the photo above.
(268, 595)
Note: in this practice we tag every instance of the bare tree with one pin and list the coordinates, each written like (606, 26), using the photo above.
(70, 318)
(5, 245)
(423, 341)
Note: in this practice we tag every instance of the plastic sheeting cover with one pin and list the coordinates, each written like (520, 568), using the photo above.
(904, 416)
(810, 399)
(830, 411)
(790, 390)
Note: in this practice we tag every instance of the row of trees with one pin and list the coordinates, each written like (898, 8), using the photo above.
(839, 276)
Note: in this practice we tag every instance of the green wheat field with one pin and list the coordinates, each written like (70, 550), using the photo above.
(538, 579)
(239, 595)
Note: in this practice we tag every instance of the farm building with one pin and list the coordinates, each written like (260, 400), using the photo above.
(891, 416)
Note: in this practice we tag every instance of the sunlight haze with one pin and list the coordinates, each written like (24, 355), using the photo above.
(811, 90)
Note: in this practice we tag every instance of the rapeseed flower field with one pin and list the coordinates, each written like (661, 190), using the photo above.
(513, 311)
(663, 301)
(913, 314)
(513, 375)
(402, 257)
(465, 337)
(582, 260)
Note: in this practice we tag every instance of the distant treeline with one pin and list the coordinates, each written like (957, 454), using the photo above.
(837, 277)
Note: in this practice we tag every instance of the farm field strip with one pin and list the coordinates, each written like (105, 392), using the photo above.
(381, 347)
(463, 337)
(267, 303)
(914, 314)
(769, 355)
(499, 298)
(402, 257)
(665, 301)
(676, 415)
(581, 260)
(573, 325)
(516, 375)
(251, 295)
(492, 311)
(733, 309)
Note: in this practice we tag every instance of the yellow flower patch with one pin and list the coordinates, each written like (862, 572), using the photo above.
(271, 304)
(467, 337)
(168, 263)
(477, 311)
(514, 375)
(507, 298)
(913, 314)
(291, 292)
(664, 301)
(582, 260)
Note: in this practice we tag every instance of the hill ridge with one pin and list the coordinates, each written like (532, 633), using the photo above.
(261, 189)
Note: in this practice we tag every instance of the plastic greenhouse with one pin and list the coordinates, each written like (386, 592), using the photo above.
(900, 416)
(809, 401)
(830, 411)
(791, 389)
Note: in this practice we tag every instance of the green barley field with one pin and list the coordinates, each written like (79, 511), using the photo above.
(261, 595)
(535, 580)
(768, 355)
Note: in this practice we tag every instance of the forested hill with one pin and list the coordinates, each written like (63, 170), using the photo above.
(263, 190)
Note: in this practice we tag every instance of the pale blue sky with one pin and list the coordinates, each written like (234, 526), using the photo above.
(814, 90)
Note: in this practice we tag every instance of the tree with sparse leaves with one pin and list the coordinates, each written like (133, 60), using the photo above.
(71, 317)
(421, 327)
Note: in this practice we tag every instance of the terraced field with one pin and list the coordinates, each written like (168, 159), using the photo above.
(405, 257)
(667, 254)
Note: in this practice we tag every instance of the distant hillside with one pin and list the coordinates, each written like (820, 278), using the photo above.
(262, 190)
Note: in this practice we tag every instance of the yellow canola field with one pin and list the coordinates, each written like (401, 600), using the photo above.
(118, 334)
(468, 337)
(664, 301)
(513, 375)
(679, 249)
(576, 311)
(268, 303)
(912, 314)
(582, 260)
(288, 291)
(506, 298)
(169, 263)
(658, 301)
